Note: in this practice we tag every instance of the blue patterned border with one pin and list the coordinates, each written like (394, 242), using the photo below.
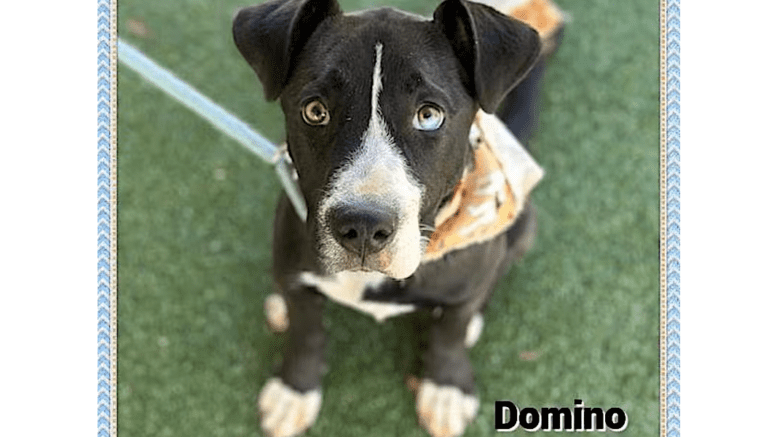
(106, 219)
(670, 120)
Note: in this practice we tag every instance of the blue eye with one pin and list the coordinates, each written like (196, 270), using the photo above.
(429, 117)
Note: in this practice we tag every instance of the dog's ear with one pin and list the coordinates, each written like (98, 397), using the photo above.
(495, 50)
(271, 35)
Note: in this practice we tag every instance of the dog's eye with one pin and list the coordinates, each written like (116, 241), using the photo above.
(429, 117)
(315, 113)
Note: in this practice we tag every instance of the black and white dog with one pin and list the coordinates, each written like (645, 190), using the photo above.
(379, 109)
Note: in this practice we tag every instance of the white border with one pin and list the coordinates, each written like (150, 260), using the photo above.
(47, 187)
(729, 216)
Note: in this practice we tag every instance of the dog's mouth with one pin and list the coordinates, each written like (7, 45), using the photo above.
(370, 233)
(383, 234)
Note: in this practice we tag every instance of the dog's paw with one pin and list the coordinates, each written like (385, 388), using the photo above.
(444, 411)
(276, 312)
(286, 412)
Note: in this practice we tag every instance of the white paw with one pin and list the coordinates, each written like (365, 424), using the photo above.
(276, 312)
(444, 411)
(474, 329)
(286, 412)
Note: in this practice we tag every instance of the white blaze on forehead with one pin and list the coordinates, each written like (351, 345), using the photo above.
(377, 81)
(377, 172)
(376, 142)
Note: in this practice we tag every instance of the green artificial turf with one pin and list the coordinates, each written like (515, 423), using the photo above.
(578, 319)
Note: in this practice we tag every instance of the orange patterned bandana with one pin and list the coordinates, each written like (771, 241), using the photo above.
(543, 15)
(491, 195)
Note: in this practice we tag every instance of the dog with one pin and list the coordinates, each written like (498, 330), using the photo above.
(385, 116)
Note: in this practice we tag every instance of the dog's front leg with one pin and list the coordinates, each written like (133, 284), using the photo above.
(289, 403)
(446, 402)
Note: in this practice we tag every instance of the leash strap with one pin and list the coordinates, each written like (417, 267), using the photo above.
(218, 117)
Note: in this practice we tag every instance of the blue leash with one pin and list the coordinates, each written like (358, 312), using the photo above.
(218, 117)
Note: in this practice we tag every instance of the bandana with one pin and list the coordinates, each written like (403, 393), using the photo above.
(543, 15)
(491, 194)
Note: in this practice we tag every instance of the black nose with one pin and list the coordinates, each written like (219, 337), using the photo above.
(364, 229)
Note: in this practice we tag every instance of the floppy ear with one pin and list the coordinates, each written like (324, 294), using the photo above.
(271, 35)
(496, 51)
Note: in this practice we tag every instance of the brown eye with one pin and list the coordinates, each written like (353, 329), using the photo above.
(428, 117)
(315, 113)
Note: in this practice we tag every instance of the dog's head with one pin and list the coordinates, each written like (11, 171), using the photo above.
(378, 110)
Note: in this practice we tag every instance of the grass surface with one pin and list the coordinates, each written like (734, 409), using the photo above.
(578, 319)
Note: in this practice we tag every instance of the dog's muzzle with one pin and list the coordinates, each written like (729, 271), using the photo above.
(375, 233)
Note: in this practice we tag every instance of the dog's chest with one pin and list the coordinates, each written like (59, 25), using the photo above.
(349, 289)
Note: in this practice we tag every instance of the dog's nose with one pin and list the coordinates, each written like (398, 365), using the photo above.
(362, 230)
